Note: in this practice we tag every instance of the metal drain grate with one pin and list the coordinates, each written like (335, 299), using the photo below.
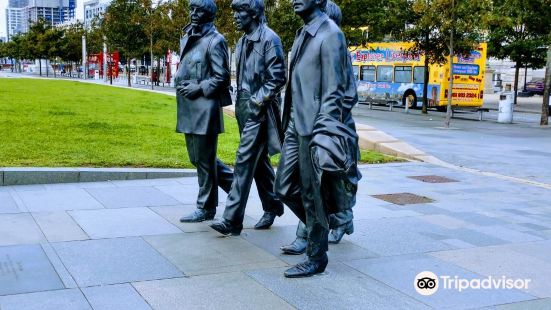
(432, 179)
(403, 198)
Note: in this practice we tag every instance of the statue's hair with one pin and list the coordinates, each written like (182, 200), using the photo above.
(334, 12)
(252, 6)
(207, 5)
(322, 4)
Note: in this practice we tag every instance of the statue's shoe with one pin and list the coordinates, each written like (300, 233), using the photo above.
(297, 247)
(225, 227)
(199, 215)
(307, 268)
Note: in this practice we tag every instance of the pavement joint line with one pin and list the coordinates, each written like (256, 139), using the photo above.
(444, 164)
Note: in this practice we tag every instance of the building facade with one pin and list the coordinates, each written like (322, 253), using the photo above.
(15, 17)
(20, 14)
(94, 9)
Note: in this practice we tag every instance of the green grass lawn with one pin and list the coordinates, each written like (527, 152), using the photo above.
(48, 123)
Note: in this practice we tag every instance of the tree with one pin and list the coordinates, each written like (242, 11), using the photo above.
(424, 33)
(52, 40)
(124, 29)
(283, 20)
(519, 30)
(546, 91)
(72, 43)
(15, 49)
(36, 43)
(447, 28)
(383, 19)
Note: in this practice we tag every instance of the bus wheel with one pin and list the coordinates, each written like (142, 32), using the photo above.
(410, 95)
(442, 108)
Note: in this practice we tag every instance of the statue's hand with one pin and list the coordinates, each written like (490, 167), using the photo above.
(191, 90)
(256, 108)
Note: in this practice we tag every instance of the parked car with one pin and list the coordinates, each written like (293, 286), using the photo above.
(535, 87)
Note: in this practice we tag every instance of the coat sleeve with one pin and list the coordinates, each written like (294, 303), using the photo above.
(333, 77)
(274, 74)
(219, 64)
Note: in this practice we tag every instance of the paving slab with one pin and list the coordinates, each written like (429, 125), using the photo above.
(71, 299)
(537, 304)
(59, 226)
(114, 223)
(498, 261)
(7, 203)
(25, 269)
(209, 252)
(113, 261)
(185, 194)
(62, 272)
(271, 241)
(399, 272)
(19, 228)
(339, 287)
(131, 197)
(232, 290)
(173, 214)
(115, 297)
(61, 200)
(396, 236)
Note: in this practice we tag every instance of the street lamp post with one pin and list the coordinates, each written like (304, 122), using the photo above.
(84, 56)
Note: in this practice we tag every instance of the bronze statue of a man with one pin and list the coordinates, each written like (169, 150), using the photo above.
(340, 222)
(260, 78)
(202, 83)
(313, 114)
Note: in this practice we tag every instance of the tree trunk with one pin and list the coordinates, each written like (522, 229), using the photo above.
(55, 63)
(128, 70)
(47, 69)
(158, 71)
(546, 91)
(426, 77)
(151, 58)
(515, 88)
(450, 87)
(40, 66)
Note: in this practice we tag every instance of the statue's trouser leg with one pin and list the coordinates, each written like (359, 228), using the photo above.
(295, 166)
(340, 218)
(301, 230)
(202, 154)
(250, 149)
(225, 176)
(264, 178)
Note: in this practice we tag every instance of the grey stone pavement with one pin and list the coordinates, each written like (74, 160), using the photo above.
(520, 150)
(119, 245)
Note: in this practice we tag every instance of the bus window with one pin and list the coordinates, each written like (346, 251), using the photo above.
(368, 73)
(356, 69)
(402, 74)
(418, 74)
(384, 74)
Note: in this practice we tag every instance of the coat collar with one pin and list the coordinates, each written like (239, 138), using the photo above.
(313, 26)
(204, 29)
(255, 36)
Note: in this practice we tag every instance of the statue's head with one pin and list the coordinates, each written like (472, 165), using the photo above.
(246, 11)
(334, 12)
(202, 11)
(305, 7)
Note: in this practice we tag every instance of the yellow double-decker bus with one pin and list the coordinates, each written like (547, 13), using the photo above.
(388, 74)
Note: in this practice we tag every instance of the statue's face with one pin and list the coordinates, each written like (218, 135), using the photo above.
(304, 6)
(243, 19)
(198, 15)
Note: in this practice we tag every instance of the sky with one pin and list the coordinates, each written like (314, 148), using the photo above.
(4, 5)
